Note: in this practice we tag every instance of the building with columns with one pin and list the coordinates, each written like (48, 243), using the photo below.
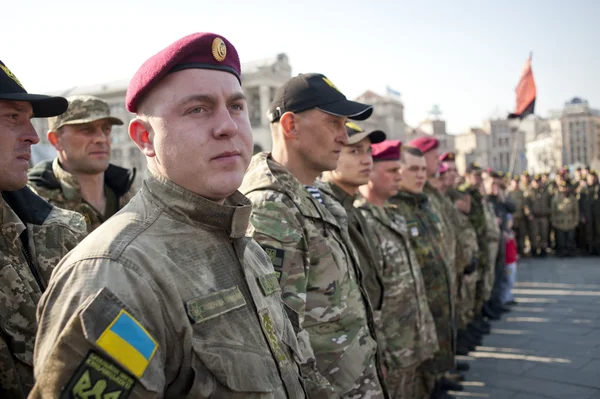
(388, 115)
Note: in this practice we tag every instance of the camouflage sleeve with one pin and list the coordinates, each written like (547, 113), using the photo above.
(92, 331)
(278, 230)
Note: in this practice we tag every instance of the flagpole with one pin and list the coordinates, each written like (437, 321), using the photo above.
(513, 156)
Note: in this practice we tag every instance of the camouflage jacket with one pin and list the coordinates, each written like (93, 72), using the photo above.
(57, 186)
(565, 211)
(167, 298)
(360, 235)
(589, 199)
(537, 202)
(477, 219)
(35, 236)
(309, 245)
(467, 250)
(518, 199)
(426, 235)
(406, 329)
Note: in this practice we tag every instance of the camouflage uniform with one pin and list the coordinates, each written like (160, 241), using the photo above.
(35, 236)
(426, 236)
(194, 303)
(519, 220)
(565, 218)
(468, 253)
(368, 256)
(537, 204)
(320, 279)
(478, 221)
(493, 239)
(406, 330)
(61, 189)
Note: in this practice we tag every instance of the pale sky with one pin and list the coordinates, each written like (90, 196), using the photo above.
(464, 55)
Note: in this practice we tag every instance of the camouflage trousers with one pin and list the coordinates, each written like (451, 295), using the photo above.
(428, 378)
(367, 386)
(406, 383)
(490, 272)
(539, 233)
(465, 304)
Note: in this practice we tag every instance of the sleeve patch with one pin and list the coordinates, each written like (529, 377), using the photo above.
(269, 283)
(276, 256)
(99, 377)
(128, 342)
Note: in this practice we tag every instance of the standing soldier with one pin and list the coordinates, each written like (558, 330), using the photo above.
(517, 197)
(353, 170)
(169, 298)
(564, 217)
(35, 234)
(537, 207)
(81, 178)
(406, 329)
(586, 208)
(477, 217)
(426, 235)
(594, 193)
(306, 235)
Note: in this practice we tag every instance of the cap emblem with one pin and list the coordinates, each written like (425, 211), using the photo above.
(219, 49)
(330, 83)
(354, 127)
(11, 75)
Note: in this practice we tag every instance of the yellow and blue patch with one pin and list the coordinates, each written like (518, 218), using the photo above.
(128, 342)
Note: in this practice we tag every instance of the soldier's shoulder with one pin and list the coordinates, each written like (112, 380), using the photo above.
(67, 219)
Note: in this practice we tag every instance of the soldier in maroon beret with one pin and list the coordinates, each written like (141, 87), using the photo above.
(169, 298)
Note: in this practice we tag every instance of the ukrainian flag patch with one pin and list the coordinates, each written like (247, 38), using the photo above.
(128, 342)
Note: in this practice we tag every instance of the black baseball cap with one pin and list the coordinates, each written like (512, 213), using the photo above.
(356, 134)
(43, 106)
(313, 90)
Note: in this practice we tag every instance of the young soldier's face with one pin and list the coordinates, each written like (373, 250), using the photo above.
(17, 135)
(413, 173)
(201, 137)
(355, 164)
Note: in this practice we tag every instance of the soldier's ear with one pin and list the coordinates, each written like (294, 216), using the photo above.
(288, 123)
(141, 134)
(53, 139)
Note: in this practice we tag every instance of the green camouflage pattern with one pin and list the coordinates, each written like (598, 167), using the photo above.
(564, 213)
(537, 204)
(318, 269)
(493, 244)
(83, 109)
(184, 269)
(406, 331)
(69, 197)
(426, 237)
(20, 291)
(589, 209)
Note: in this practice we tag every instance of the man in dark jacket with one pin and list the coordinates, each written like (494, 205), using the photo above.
(81, 178)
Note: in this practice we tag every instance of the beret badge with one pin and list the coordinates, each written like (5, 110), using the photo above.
(219, 49)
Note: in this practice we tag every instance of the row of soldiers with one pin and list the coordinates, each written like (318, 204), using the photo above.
(561, 214)
(340, 264)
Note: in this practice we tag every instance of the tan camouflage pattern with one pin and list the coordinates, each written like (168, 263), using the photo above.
(318, 267)
(426, 236)
(493, 237)
(406, 331)
(564, 211)
(83, 109)
(537, 204)
(168, 249)
(69, 197)
(20, 292)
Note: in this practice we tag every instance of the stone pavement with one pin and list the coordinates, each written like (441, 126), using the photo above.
(549, 345)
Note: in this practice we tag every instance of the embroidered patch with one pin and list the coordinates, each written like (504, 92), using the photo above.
(99, 377)
(269, 283)
(269, 329)
(276, 256)
(215, 304)
(128, 342)
(414, 231)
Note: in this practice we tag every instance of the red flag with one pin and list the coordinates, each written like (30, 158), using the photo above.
(526, 93)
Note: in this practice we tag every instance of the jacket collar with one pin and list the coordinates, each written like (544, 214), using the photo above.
(233, 216)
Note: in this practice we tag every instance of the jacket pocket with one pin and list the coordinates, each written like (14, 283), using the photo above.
(237, 369)
(344, 372)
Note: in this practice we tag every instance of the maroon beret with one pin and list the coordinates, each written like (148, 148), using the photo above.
(388, 150)
(198, 50)
(447, 156)
(424, 144)
(443, 169)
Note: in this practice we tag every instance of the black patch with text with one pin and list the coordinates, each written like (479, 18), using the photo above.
(99, 377)
(276, 256)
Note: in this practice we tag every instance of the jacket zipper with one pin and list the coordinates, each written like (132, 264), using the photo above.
(29, 260)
